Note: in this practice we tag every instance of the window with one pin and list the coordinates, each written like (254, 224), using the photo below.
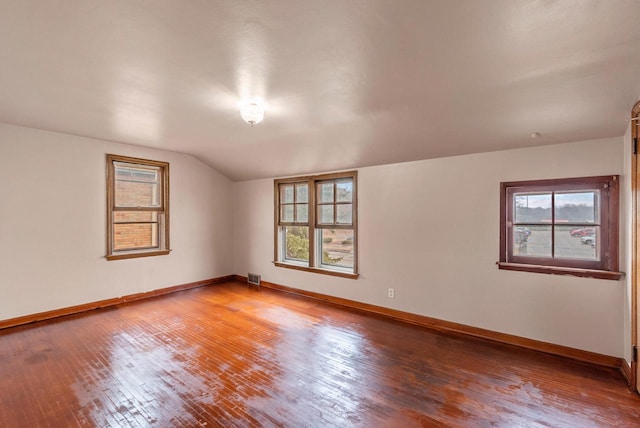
(316, 223)
(564, 226)
(137, 207)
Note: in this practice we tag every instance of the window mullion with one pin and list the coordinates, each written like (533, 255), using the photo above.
(553, 225)
(137, 222)
(295, 205)
(335, 205)
(312, 221)
(509, 225)
(139, 209)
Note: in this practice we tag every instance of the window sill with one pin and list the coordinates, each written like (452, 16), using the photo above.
(123, 256)
(318, 270)
(554, 270)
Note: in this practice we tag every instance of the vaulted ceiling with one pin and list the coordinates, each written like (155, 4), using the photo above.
(348, 83)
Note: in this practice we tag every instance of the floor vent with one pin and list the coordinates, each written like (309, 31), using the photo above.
(253, 278)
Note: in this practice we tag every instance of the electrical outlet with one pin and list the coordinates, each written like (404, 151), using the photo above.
(391, 293)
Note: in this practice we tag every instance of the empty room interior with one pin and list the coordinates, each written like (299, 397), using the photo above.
(319, 214)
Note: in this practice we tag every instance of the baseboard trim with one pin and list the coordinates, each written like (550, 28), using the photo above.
(56, 313)
(625, 369)
(452, 327)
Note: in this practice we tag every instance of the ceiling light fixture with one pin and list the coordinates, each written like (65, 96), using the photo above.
(252, 111)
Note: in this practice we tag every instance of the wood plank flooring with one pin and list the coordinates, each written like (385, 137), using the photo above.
(233, 356)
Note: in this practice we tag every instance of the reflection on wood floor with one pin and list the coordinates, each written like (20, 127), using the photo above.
(229, 355)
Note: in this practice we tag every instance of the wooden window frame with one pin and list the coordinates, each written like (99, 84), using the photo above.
(313, 265)
(163, 247)
(604, 268)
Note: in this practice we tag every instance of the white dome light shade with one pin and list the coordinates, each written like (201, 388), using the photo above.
(252, 111)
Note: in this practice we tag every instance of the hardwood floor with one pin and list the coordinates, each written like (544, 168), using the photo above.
(229, 355)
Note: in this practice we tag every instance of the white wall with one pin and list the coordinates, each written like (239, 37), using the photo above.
(430, 229)
(417, 234)
(53, 223)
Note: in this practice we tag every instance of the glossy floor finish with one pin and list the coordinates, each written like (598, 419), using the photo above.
(229, 355)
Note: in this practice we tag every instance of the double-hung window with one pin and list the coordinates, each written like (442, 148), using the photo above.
(316, 223)
(137, 207)
(563, 226)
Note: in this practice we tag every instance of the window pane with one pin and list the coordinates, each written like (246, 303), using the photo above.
(297, 243)
(325, 214)
(286, 213)
(325, 192)
(302, 193)
(344, 213)
(532, 241)
(127, 216)
(302, 213)
(577, 243)
(532, 208)
(132, 172)
(286, 194)
(137, 186)
(344, 190)
(337, 247)
(135, 236)
(137, 194)
(577, 207)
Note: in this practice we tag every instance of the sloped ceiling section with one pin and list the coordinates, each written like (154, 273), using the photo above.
(348, 83)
